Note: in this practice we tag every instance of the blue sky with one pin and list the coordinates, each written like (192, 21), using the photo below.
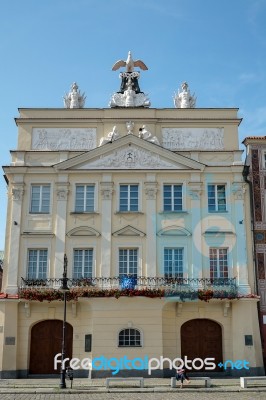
(218, 47)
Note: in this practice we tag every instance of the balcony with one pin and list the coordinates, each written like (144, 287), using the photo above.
(180, 289)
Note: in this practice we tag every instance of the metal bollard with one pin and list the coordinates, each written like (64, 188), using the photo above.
(70, 374)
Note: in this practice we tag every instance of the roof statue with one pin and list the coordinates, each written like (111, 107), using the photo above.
(129, 94)
(184, 99)
(113, 135)
(74, 99)
(129, 64)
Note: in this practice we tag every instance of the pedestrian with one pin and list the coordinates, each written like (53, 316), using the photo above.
(181, 374)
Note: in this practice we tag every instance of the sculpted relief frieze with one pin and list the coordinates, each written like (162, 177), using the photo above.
(130, 157)
(193, 138)
(63, 139)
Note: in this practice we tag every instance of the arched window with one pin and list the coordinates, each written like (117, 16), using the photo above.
(129, 338)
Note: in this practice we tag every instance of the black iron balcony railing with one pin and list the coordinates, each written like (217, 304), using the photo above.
(182, 289)
(182, 284)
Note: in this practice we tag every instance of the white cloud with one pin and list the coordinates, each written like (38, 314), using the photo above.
(248, 77)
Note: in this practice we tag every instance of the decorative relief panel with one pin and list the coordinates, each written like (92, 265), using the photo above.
(131, 157)
(63, 139)
(193, 138)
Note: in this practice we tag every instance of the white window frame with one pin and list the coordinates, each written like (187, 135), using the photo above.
(38, 262)
(41, 185)
(83, 259)
(172, 196)
(174, 242)
(218, 262)
(128, 248)
(128, 198)
(216, 184)
(84, 199)
(183, 256)
(130, 328)
(79, 243)
(117, 191)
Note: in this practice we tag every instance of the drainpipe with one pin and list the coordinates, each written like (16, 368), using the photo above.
(245, 174)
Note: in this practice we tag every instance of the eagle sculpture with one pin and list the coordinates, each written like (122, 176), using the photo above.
(129, 64)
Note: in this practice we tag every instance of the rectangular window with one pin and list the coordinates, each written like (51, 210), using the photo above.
(128, 262)
(264, 160)
(40, 199)
(129, 198)
(172, 198)
(216, 198)
(218, 263)
(37, 264)
(83, 260)
(84, 198)
(173, 262)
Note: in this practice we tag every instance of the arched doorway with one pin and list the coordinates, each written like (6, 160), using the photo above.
(202, 338)
(46, 342)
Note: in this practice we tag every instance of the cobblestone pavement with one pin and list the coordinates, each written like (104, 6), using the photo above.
(137, 396)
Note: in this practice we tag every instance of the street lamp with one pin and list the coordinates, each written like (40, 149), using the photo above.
(64, 288)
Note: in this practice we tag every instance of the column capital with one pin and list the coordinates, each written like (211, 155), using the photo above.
(239, 190)
(195, 190)
(62, 190)
(107, 189)
(150, 190)
(17, 191)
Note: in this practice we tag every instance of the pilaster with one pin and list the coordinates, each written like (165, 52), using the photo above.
(17, 192)
(238, 191)
(60, 223)
(150, 189)
(194, 191)
(106, 189)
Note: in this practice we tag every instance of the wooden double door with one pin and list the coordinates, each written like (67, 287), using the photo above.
(202, 338)
(46, 342)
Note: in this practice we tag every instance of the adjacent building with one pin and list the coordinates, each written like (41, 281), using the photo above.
(149, 212)
(255, 174)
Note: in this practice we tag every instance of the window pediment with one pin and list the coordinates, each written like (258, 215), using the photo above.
(129, 231)
(174, 230)
(83, 231)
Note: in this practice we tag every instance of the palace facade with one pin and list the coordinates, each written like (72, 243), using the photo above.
(152, 211)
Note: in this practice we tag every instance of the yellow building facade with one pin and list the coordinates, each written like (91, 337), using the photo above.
(152, 211)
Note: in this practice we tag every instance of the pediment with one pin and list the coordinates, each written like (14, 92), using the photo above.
(218, 232)
(174, 230)
(83, 231)
(128, 231)
(130, 152)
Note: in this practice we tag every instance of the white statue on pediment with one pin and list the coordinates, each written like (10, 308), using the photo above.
(146, 135)
(113, 135)
(183, 99)
(74, 99)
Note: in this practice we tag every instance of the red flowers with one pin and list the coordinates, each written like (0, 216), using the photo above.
(93, 291)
